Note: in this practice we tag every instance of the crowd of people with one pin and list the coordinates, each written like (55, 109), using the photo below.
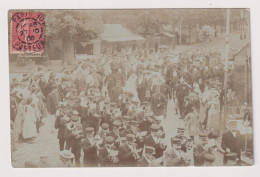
(111, 109)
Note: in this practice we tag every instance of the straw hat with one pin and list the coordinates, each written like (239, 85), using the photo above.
(67, 154)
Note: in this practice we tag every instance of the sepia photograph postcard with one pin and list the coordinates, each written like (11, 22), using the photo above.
(154, 87)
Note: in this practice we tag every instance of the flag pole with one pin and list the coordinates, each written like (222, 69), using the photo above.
(226, 63)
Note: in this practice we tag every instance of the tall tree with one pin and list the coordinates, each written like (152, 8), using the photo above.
(72, 25)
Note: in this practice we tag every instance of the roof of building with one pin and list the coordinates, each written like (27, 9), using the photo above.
(118, 33)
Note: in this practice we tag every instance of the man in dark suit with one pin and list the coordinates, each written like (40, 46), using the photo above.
(52, 105)
(116, 133)
(128, 154)
(111, 82)
(60, 122)
(182, 91)
(200, 150)
(166, 90)
(89, 148)
(231, 141)
(116, 91)
(73, 141)
(107, 157)
(159, 102)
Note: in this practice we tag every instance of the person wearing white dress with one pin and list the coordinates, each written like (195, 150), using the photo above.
(131, 86)
(29, 125)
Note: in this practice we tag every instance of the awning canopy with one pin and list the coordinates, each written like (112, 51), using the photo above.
(168, 34)
(118, 33)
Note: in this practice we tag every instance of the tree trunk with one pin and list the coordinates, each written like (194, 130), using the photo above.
(180, 31)
(68, 50)
(215, 34)
(146, 47)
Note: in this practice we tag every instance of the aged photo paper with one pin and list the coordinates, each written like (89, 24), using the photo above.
(130, 88)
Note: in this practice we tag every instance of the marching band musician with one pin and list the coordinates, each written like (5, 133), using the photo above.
(89, 148)
(200, 150)
(116, 133)
(128, 154)
(104, 130)
(147, 160)
(73, 138)
(231, 141)
(134, 129)
(108, 155)
(153, 139)
(60, 124)
(94, 119)
(175, 156)
(181, 134)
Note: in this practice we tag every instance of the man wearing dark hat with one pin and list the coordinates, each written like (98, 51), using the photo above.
(90, 149)
(231, 141)
(108, 153)
(175, 156)
(116, 133)
(200, 150)
(147, 160)
(128, 153)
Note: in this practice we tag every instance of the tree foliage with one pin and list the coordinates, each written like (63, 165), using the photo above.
(82, 24)
(87, 24)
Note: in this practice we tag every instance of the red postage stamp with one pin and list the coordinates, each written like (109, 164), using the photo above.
(27, 33)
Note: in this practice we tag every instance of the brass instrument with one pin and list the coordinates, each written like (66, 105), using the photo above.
(132, 107)
(98, 141)
(71, 126)
(135, 152)
(116, 112)
(103, 107)
(125, 100)
(76, 129)
(64, 119)
(113, 155)
(141, 135)
(110, 111)
(84, 102)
